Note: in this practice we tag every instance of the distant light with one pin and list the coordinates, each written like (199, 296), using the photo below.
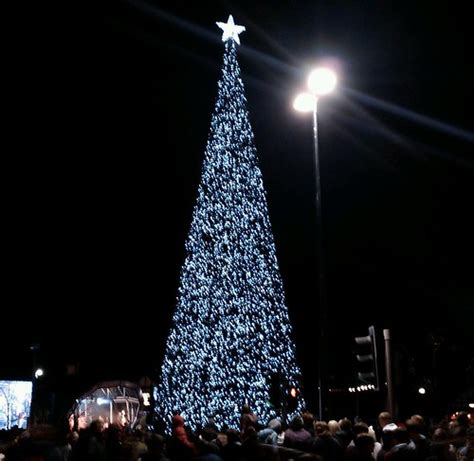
(304, 102)
(293, 392)
(101, 401)
(322, 81)
(39, 372)
(146, 399)
(471, 405)
(422, 390)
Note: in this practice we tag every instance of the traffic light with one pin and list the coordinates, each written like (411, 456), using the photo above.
(366, 356)
(292, 398)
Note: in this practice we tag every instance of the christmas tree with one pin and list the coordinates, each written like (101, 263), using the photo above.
(231, 331)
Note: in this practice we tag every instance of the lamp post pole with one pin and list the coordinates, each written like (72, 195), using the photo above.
(33, 405)
(320, 82)
(322, 337)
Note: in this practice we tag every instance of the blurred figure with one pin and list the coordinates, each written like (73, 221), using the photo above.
(466, 452)
(180, 447)
(156, 449)
(325, 445)
(383, 419)
(296, 436)
(270, 433)
(247, 420)
(21, 421)
(363, 448)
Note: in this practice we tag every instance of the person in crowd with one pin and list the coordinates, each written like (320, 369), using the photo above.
(362, 449)
(401, 449)
(296, 436)
(345, 435)
(418, 441)
(308, 419)
(156, 449)
(270, 433)
(383, 419)
(466, 452)
(325, 445)
(362, 428)
(387, 440)
(180, 447)
(247, 419)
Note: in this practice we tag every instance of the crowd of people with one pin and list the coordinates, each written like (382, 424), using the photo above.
(304, 438)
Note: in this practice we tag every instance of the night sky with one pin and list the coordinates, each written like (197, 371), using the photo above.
(105, 180)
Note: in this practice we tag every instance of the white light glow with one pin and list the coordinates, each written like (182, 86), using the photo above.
(39, 372)
(146, 399)
(322, 81)
(422, 390)
(101, 401)
(230, 30)
(305, 102)
(471, 405)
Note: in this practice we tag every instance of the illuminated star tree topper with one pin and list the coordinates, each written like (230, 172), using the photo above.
(230, 30)
(230, 333)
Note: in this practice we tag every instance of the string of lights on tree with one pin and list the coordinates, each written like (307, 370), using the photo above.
(230, 331)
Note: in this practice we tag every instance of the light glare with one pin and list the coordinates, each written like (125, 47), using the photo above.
(39, 372)
(322, 81)
(304, 102)
(422, 390)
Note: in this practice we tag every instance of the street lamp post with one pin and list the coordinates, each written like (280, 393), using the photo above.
(321, 81)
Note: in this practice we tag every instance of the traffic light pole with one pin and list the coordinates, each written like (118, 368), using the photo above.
(388, 370)
(374, 347)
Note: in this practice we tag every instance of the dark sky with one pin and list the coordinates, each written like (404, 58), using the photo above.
(96, 220)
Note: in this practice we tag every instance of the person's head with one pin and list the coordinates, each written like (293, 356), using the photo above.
(360, 428)
(364, 443)
(297, 423)
(334, 427)
(414, 427)
(275, 425)
(308, 419)
(345, 424)
(71, 422)
(246, 409)
(321, 429)
(208, 434)
(96, 426)
(440, 435)
(401, 435)
(388, 435)
(418, 419)
(177, 420)
(222, 439)
(384, 418)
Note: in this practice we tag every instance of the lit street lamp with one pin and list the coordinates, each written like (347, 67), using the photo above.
(38, 373)
(321, 81)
